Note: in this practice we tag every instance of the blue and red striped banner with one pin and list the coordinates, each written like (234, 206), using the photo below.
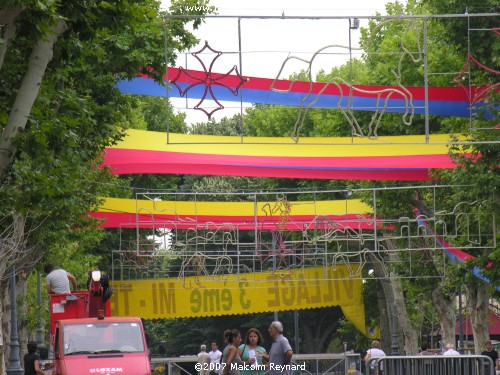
(454, 254)
(445, 101)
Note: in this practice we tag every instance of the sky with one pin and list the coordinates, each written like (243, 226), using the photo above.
(260, 46)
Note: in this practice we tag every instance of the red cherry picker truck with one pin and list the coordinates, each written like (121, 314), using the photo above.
(87, 340)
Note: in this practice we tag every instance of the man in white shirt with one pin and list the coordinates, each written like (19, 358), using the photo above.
(58, 280)
(450, 350)
(203, 360)
(215, 355)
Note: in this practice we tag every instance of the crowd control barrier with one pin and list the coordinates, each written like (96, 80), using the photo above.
(432, 365)
(302, 364)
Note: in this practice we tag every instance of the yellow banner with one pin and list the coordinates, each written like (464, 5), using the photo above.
(246, 293)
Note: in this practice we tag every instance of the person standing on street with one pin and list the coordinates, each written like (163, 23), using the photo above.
(252, 348)
(215, 355)
(424, 350)
(231, 360)
(32, 361)
(371, 356)
(450, 350)
(492, 353)
(280, 354)
(203, 360)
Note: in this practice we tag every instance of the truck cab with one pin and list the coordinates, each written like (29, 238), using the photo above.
(87, 340)
(112, 345)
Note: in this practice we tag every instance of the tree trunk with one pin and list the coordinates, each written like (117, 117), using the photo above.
(410, 333)
(8, 28)
(28, 91)
(319, 333)
(386, 304)
(445, 308)
(385, 313)
(478, 303)
(13, 250)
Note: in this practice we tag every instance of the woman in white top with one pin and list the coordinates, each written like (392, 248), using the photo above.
(373, 353)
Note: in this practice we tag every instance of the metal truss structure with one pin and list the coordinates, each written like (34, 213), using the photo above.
(405, 244)
(412, 55)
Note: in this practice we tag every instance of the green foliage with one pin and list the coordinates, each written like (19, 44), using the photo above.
(480, 41)
(158, 115)
(480, 166)
(356, 341)
(226, 126)
(79, 110)
(271, 121)
(55, 178)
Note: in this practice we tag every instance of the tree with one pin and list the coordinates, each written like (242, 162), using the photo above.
(483, 45)
(60, 108)
(448, 41)
(480, 168)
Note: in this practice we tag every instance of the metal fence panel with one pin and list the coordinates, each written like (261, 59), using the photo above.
(304, 364)
(433, 365)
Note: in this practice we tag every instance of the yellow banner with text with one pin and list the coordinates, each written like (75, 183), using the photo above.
(244, 293)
